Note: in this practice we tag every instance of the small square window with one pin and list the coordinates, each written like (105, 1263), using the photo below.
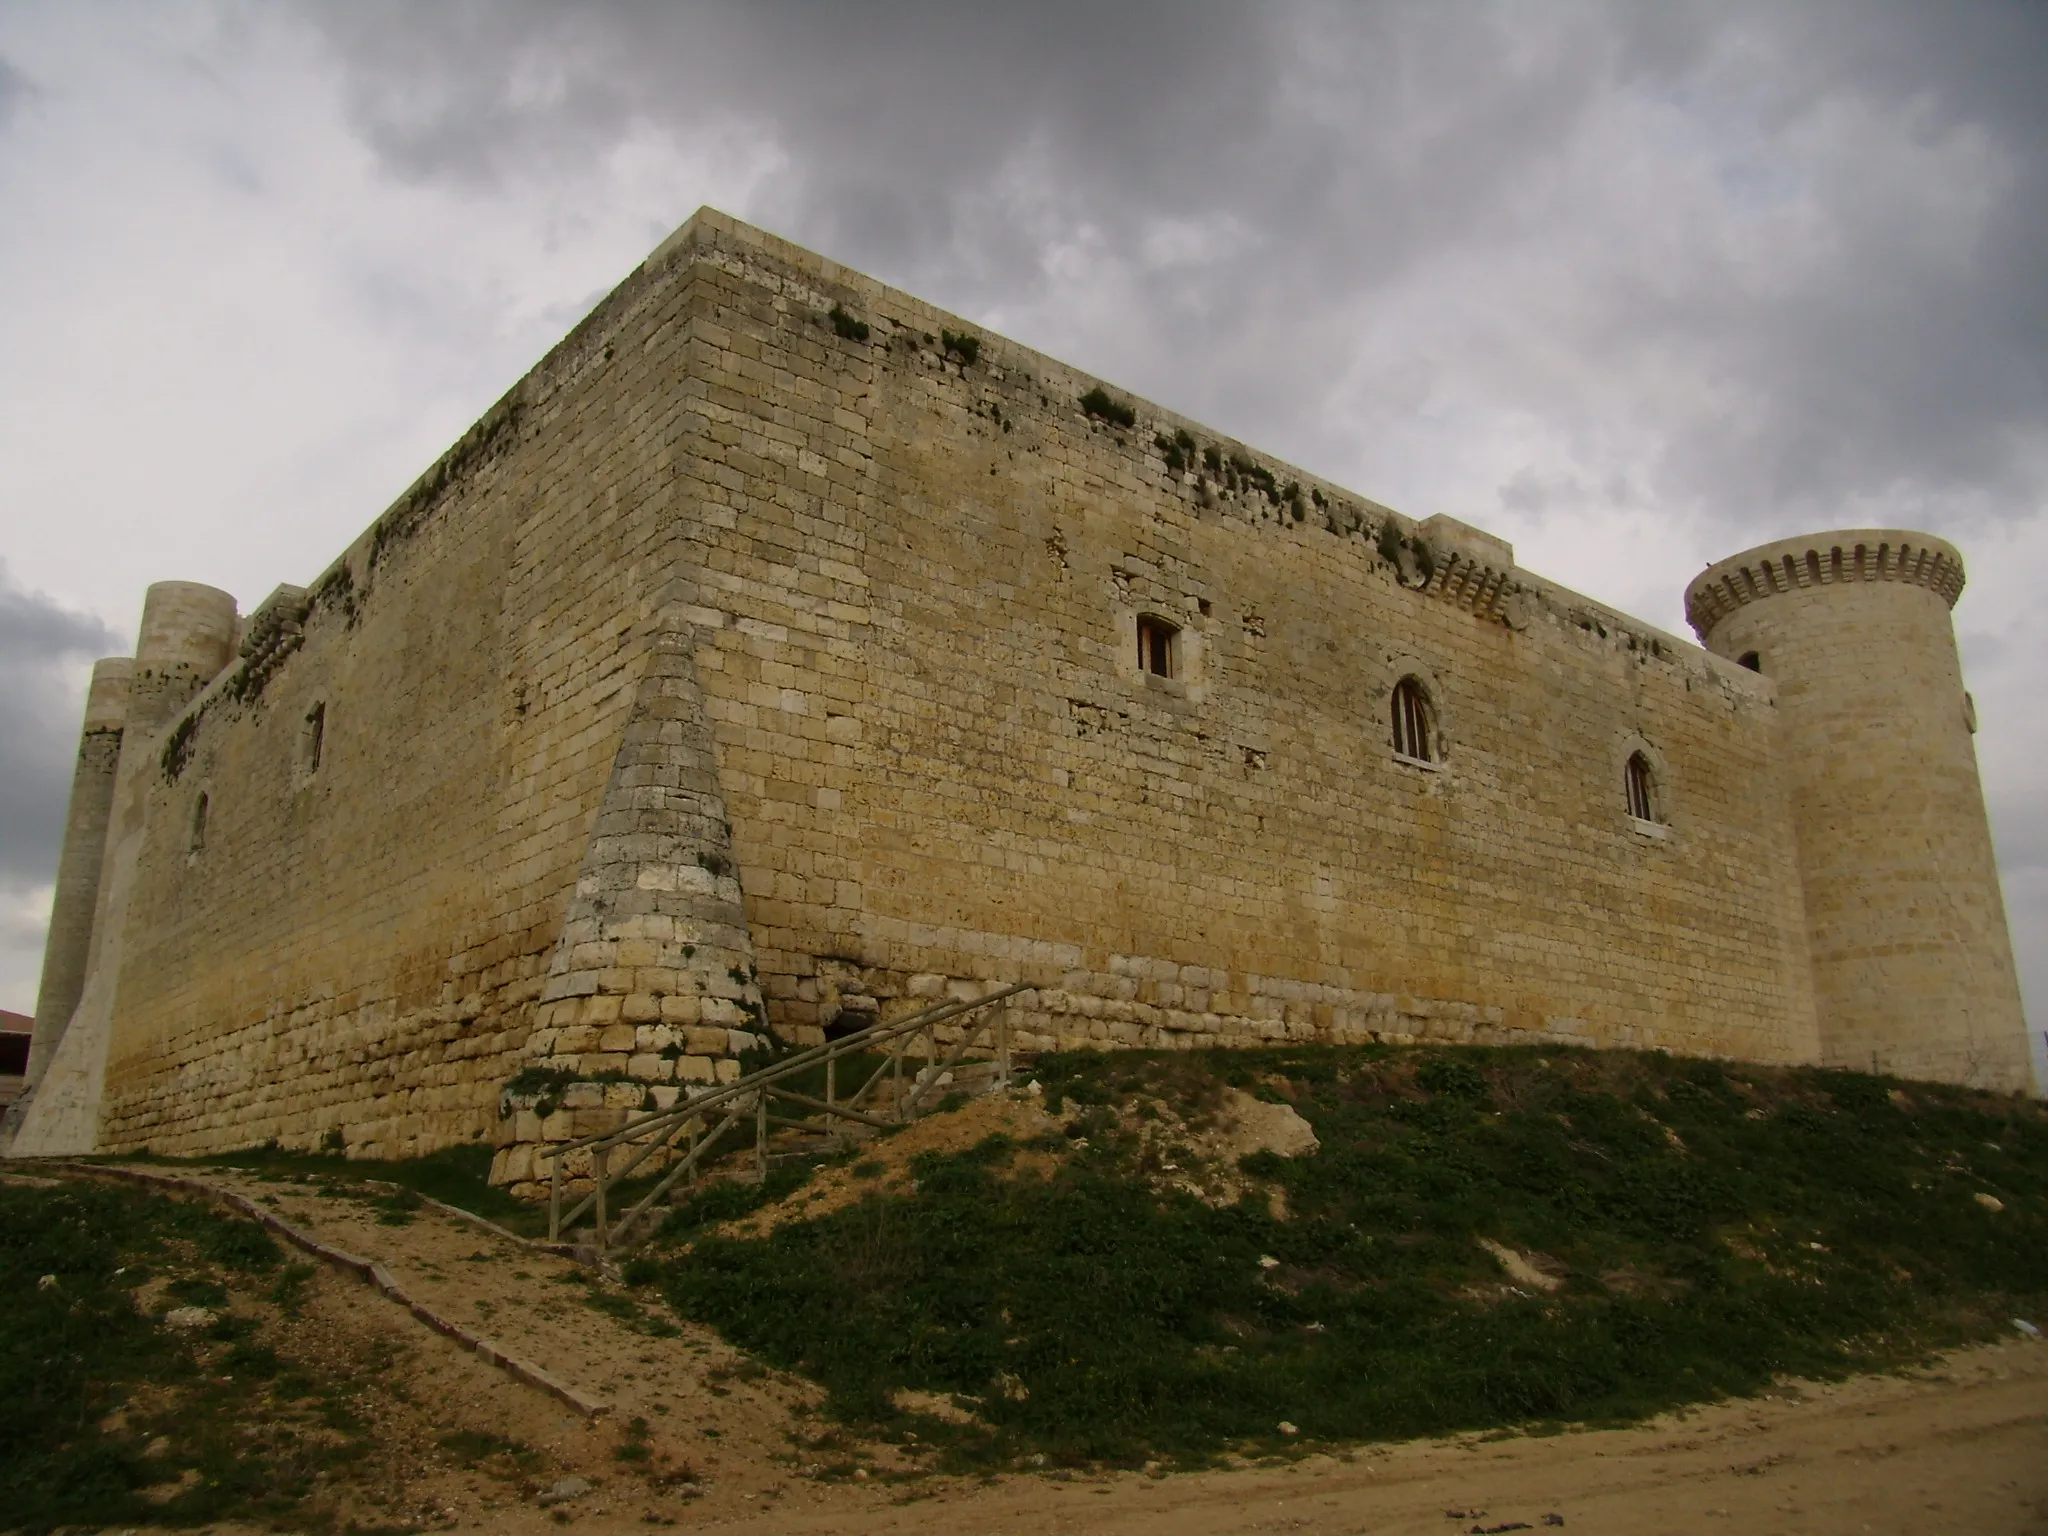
(1158, 646)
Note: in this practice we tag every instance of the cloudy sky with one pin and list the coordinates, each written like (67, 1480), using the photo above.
(1633, 285)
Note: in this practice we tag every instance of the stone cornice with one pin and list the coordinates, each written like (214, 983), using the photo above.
(1819, 560)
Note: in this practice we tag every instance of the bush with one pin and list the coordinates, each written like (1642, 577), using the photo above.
(1099, 404)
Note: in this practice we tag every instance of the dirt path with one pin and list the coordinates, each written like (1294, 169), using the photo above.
(709, 1407)
(1964, 1450)
(1961, 1449)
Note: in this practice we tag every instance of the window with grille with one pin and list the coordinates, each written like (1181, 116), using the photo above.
(1158, 643)
(1642, 789)
(1412, 733)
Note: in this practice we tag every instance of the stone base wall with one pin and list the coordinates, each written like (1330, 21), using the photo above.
(1137, 1004)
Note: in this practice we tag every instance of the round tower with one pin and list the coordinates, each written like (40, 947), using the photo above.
(188, 635)
(1912, 960)
(69, 939)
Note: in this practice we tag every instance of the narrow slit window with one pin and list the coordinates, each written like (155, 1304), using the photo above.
(313, 737)
(200, 808)
(1157, 643)
(1411, 722)
(1642, 789)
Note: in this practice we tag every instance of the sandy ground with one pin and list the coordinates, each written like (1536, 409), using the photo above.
(1961, 1448)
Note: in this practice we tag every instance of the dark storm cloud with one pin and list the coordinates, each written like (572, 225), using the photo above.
(1834, 300)
(41, 703)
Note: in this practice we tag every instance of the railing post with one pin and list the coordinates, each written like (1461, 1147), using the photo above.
(555, 1203)
(1003, 1047)
(896, 1064)
(599, 1158)
(761, 1133)
(831, 1084)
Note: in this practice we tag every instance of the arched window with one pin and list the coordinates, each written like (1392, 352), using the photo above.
(1413, 734)
(199, 809)
(312, 739)
(1753, 661)
(1642, 789)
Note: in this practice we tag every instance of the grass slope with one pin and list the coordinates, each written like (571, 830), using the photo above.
(268, 1414)
(108, 1418)
(1714, 1227)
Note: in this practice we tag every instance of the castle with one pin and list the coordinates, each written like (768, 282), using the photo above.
(783, 652)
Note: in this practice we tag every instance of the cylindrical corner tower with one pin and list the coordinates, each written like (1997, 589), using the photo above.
(1912, 960)
(187, 636)
(69, 940)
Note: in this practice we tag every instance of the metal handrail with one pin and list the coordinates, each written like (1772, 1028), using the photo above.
(734, 1099)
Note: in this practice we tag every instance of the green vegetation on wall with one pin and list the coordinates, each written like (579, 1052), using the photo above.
(1100, 404)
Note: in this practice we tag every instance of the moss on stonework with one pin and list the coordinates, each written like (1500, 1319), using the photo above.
(1101, 405)
(479, 446)
(177, 752)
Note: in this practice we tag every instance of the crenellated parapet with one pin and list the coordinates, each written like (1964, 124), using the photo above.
(1790, 565)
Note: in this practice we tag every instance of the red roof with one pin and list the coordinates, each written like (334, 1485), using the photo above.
(15, 1023)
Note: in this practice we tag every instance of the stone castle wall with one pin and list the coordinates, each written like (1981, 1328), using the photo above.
(942, 759)
(735, 660)
(356, 949)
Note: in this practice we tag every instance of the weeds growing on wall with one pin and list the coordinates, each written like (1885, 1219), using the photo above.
(1251, 473)
(1103, 406)
(966, 348)
(846, 325)
(1392, 541)
(177, 752)
(1710, 1228)
(1178, 450)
